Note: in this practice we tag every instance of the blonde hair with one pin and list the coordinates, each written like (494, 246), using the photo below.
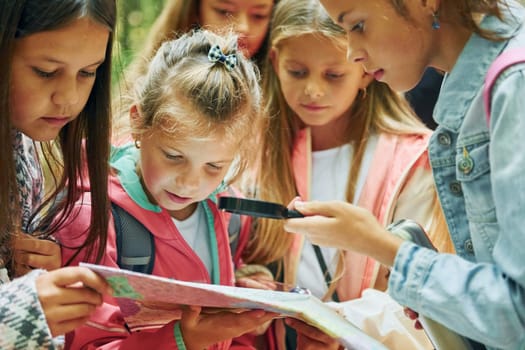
(379, 110)
(189, 96)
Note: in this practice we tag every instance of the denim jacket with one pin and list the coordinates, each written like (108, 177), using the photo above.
(479, 171)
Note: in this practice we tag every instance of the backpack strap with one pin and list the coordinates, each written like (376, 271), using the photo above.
(135, 243)
(234, 227)
(234, 231)
(501, 63)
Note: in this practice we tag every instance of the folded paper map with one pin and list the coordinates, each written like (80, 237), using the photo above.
(148, 301)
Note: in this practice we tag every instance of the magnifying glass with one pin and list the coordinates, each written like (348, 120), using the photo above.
(257, 208)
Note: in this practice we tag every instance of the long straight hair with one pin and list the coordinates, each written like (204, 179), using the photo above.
(83, 144)
(379, 110)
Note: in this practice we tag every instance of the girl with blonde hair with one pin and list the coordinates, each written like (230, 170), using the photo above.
(335, 133)
(193, 119)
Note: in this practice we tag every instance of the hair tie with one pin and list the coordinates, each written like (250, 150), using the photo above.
(216, 55)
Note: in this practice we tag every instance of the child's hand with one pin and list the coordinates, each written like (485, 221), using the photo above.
(254, 276)
(200, 330)
(256, 281)
(33, 253)
(309, 337)
(346, 226)
(68, 296)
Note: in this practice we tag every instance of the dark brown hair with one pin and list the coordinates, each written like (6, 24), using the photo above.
(462, 12)
(83, 144)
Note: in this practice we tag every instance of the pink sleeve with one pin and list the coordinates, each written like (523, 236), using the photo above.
(106, 328)
(74, 233)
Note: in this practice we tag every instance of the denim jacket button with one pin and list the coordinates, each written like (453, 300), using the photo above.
(465, 165)
(444, 139)
(468, 246)
(455, 188)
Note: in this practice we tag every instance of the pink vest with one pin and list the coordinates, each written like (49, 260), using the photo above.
(394, 159)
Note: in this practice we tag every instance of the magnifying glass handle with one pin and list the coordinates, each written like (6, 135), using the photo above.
(290, 214)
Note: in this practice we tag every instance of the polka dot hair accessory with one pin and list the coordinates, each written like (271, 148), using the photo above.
(216, 55)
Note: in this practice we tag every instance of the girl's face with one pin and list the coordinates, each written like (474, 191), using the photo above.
(249, 18)
(52, 76)
(392, 48)
(318, 82)
(177, 175)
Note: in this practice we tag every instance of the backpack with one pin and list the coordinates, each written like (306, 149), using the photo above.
(136, 246)
(507, 59)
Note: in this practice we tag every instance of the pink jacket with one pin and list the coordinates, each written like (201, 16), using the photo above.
(173, 259)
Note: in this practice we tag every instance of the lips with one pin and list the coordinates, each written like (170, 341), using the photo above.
(377, 73)
(57, 121)
(312, 107)
(177, 199)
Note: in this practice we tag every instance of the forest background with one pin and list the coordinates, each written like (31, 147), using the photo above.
(135, 19)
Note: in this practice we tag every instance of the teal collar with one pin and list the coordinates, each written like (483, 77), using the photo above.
(124, 161)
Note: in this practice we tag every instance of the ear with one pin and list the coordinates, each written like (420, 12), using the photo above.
(431, 5)
(274, 59)
(134, 119)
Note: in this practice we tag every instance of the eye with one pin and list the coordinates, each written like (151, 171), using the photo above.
(334, 75)
(359, 27)
(43, 74)
(87, 74)
(223, 12)
(175, 157)
(260, 17)
(214, 167)
(299, 73)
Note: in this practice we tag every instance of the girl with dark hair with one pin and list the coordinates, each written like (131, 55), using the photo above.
(54, 94)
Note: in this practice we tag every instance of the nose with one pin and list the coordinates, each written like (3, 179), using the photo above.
(188, 180)
(354, 53)
(356, 56)
(242, 23)
(66, 92)
(313, 88)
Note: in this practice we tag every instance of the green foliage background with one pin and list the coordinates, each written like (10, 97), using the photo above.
(135, 19)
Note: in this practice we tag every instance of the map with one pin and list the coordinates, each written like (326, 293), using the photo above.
(148, 301)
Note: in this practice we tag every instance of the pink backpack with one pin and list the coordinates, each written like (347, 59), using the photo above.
(500, 64)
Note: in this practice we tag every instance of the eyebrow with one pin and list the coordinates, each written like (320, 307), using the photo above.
(222, 161)
(176, 150)
(341, 17)
(261, 6)
(53, 60)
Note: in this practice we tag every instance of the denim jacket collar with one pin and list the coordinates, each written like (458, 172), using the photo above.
(459, 92)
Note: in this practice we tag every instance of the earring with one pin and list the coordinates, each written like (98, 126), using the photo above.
(435, 21)
(137, 143)
(363, 93)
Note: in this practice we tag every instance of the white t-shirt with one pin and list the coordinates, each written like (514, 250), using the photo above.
(330, 171)
(195, 232)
